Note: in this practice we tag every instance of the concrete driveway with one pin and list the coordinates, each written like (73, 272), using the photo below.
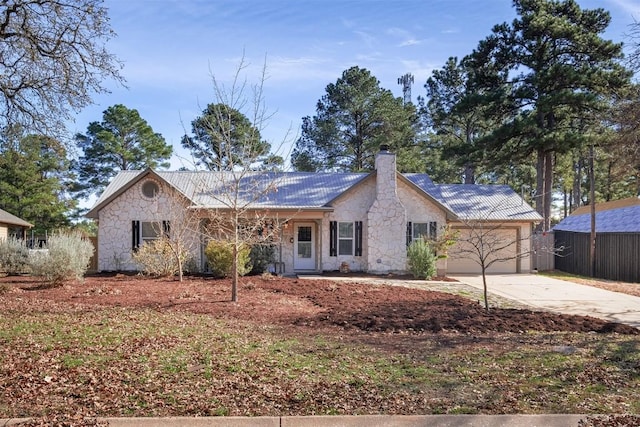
(560, 296)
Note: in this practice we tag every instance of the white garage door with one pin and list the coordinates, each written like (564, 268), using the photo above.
(500, 244)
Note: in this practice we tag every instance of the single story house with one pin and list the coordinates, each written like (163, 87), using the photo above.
(617, 226)
(11, 225)
(364, 221)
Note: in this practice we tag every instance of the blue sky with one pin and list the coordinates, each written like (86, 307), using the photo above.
(170, 50)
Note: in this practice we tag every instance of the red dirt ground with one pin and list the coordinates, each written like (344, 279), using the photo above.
(302, 304)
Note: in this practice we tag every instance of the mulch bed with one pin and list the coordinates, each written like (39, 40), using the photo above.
(308, 303)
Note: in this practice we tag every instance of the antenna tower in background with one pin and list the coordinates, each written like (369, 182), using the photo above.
(406, 81)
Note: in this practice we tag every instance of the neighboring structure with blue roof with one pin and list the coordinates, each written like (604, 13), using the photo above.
(621, 216)
(617, 243)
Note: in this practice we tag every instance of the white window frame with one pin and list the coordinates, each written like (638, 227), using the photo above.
(431, 228)
(345, 238)
(155, 226)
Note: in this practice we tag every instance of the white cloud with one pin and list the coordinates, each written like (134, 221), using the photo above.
(300, 69)
(410, 42)
(406, 38)
(366, 38)
(631, 7)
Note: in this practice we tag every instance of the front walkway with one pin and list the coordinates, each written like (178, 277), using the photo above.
(560, 296)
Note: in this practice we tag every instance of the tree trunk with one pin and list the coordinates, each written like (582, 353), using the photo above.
(548, 189)
(469, 174)
(484, 286)
(539, 197)
(592, 201)
(577, 180)
(234, 272)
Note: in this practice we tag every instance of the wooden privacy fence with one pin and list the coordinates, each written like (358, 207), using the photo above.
(543, 250)
(617, 255)
(93, 262)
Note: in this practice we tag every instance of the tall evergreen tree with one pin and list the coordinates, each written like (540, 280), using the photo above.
(224, 137)
(454, 124)
(33, 170)
(623, 154)
(352, 120)
(122, 141)
(548, 68)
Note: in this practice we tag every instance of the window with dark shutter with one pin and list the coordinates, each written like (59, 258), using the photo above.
(333, 238)
(409, 233)
(433, 230)
(166, 228)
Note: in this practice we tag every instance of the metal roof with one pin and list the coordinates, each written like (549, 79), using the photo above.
(620, 220)
(7, 218)
(472, 202)
(273, 189)
(304, 190)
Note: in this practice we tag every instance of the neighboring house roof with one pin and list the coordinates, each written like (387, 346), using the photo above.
(306, 190)
(614, 220)
(7, 218)
(605, 206)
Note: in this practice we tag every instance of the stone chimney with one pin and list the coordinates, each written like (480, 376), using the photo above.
(386, 231)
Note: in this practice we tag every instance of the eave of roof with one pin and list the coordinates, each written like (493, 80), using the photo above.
(10, 219)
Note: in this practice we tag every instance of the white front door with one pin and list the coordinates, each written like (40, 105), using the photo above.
(304, 250)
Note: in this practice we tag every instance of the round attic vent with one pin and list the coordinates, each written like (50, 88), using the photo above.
(150, 189)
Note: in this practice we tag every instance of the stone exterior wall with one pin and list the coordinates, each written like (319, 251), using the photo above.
(422, 210)
(386, 221)
(4, 232)
(115, 230)
(383, 202)
(351, 206)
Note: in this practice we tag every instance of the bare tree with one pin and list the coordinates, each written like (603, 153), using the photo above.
(488, 240)
(52, 59)
(235, 199)
(176, 225)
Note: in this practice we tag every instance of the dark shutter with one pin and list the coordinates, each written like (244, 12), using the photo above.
(433, 230)
(166, 228)
(135, 235)
(333, 238)
(409, 233)
(358, 238)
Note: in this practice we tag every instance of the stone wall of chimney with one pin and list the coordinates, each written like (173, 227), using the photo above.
(386, 220)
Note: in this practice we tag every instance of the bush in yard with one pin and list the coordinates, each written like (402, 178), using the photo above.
(219, 254)
(261, 256)
(157, 258)
(421, 259)
(65, 256)
(14, 256)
